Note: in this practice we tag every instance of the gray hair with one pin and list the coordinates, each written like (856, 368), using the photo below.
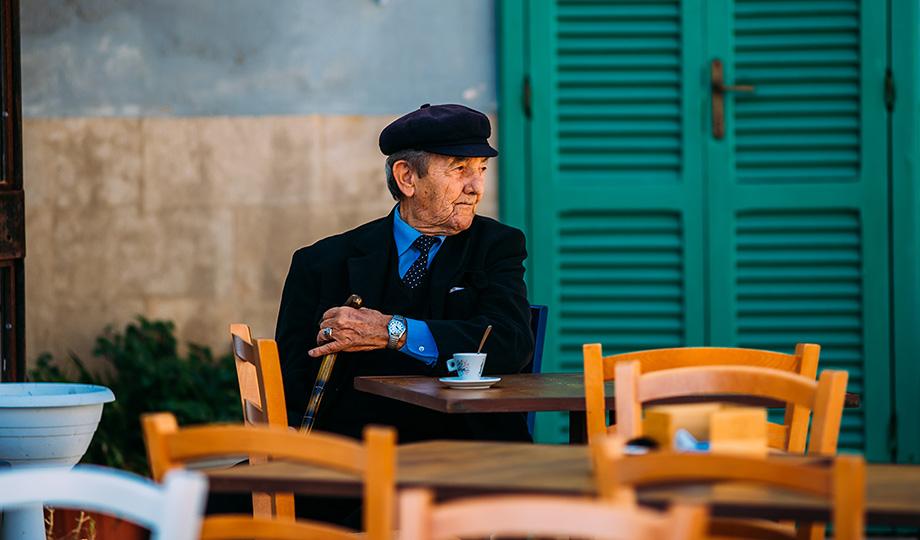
(418, 162)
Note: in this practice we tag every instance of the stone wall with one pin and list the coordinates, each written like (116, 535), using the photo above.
(191, 219)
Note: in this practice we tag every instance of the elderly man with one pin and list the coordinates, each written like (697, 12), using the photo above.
(433, 275)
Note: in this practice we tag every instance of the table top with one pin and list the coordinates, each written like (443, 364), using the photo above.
(459, 468)
(521, 392)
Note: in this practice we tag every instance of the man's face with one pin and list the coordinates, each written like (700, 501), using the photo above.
(444, 201)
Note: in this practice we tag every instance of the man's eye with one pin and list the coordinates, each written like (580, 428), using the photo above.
(460, 168)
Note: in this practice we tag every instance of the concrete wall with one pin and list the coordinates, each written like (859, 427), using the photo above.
(250, 57)
(156, 185)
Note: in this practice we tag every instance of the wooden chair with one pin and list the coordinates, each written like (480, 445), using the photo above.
(598, 369)
(823, 398)
(539, 314)
(169, 447)
(171, 511)
(543, 516)
(842, 481)
(258, 370)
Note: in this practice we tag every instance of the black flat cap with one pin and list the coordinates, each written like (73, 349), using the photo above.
(451, 130)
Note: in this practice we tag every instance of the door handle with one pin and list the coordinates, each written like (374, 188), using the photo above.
(719, 89)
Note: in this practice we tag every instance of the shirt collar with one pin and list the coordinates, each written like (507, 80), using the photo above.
(404, 234)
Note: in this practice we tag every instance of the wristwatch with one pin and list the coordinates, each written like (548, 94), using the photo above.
(396, 328)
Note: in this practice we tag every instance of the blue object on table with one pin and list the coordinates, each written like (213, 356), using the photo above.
(685, 442)
(538, 316)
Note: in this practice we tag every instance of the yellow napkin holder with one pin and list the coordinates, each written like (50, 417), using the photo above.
(729, 429)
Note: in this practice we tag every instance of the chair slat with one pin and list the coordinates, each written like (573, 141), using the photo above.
(714, 380)
(673, 468)
(328, 450)
(242, 346)
(542, 516)
(658, 359)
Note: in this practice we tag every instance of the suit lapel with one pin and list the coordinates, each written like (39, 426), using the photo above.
(372, 253)
(367, 268)
(447, 264)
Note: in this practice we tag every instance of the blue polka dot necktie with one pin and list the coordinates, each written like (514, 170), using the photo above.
(419, 269)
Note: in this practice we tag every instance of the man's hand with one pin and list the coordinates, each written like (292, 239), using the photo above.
(353, 330)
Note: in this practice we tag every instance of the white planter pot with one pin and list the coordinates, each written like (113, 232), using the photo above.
(45, 425)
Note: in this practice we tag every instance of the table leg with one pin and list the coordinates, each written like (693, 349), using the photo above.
(578, 427)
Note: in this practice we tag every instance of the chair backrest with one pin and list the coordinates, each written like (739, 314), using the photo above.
(542, 516)
(538, 317)
(169, 447)
(823, 398)
(258, 370)
(599, 369)
(172, 511)
(841, 479)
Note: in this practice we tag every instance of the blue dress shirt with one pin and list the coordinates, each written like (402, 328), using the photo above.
(419, 341)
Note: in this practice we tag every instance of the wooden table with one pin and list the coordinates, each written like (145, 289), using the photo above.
(459, 468)
(523, 392)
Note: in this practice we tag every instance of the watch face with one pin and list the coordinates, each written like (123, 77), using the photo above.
(396, 326)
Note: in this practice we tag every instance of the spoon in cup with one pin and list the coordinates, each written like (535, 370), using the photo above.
(484, 337)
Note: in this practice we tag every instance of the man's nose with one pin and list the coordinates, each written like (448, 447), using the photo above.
(475, 182)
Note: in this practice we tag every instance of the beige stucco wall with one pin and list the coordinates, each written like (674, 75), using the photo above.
(188, 219)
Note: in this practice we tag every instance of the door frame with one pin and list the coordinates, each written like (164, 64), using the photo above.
(513, 123)
(905, 229)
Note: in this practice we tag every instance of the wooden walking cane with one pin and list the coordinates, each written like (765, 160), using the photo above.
(325, 372)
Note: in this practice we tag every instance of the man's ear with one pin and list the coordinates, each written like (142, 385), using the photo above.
(405, 177)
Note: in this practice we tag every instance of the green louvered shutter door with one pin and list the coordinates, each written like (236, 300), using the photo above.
(616, 224)
(798, 193)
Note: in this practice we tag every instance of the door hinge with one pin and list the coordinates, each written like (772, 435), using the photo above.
(526, 96)
(889, 90)
(893, 437)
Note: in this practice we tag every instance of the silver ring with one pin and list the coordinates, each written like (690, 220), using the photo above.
(327, 332)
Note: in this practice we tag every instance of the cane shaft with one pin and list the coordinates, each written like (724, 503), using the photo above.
(322, 378)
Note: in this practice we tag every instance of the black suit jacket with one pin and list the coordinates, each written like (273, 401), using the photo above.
(486, 261)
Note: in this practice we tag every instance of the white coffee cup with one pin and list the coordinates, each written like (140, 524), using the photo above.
(467, 365)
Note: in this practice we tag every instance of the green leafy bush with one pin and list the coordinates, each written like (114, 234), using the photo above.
(144, 369)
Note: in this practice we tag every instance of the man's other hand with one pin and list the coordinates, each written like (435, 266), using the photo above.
(353, 330)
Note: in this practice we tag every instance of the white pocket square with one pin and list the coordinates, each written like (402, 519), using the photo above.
(455, 289)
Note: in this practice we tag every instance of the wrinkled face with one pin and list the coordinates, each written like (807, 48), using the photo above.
(444, 201)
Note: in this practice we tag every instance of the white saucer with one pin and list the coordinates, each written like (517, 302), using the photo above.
(469, 384)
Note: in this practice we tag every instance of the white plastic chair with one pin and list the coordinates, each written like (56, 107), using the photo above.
(172, 511)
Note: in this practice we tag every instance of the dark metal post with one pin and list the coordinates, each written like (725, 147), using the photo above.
(12, 210)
